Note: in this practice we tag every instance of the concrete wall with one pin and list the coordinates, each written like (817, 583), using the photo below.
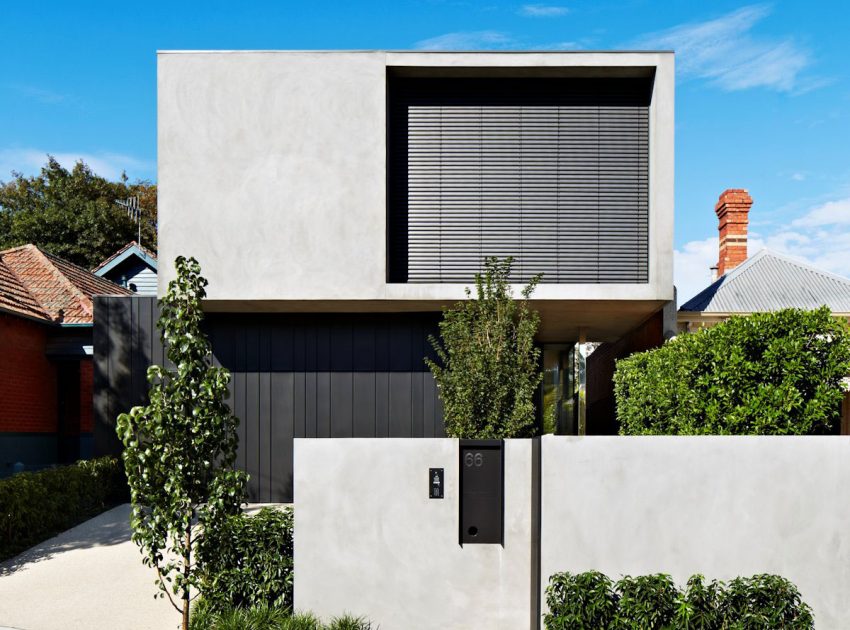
(272, 172)
(720, 506)
(369, 541)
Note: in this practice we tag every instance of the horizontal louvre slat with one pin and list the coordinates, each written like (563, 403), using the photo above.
(562, 186)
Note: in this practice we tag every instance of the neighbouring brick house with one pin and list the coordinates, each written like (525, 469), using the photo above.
(766, 281)
(46, 373)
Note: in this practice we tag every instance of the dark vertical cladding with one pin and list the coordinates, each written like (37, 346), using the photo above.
(554, 172)
(316, 375)
(105, 438)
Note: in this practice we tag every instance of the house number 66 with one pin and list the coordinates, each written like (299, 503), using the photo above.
(471, 460)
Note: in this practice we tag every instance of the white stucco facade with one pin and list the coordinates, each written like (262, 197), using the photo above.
(370, 542)
(721, 506)
(273, 173)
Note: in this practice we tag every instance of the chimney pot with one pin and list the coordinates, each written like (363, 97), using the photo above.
(732, 211)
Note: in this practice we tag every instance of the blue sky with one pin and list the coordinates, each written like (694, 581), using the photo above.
(763, 90)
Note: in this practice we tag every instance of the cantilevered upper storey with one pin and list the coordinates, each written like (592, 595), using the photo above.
(378, 181)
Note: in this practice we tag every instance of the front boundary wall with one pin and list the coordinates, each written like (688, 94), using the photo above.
(722, 506)
(368, 540)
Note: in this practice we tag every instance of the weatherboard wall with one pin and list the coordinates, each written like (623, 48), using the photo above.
(293, 375)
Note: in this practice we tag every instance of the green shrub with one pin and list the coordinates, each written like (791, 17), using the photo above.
(489, 366)
(768, 374)
(647, 602)
(247, 561)
(699, 606)
(37, 505)
(262, 617)
(586, 601)
(347, 622)
(764, 602)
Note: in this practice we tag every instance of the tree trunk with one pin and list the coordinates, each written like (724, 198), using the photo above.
(187, 557)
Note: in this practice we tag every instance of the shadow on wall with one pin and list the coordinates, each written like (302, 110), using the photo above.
(110, 528)
(293, 375)
(126, 343)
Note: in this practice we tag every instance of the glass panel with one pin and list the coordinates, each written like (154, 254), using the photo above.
(559, 393)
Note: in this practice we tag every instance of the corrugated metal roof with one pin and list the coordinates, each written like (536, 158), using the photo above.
(768, 282)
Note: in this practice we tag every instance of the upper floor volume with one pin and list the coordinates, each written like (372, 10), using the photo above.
(387, 177)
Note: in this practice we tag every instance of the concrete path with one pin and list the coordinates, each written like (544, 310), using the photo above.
(90, 577)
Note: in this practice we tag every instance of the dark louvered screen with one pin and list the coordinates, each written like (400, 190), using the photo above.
(553, 172)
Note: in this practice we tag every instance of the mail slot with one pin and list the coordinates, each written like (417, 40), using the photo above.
(481, 491)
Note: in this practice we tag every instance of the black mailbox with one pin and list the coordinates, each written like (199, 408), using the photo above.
(481, 492)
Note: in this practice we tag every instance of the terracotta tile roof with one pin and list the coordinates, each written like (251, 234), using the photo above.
(37, 284)
(15, 297)
(142, 248)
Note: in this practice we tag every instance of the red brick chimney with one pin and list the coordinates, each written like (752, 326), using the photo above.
(732, 209)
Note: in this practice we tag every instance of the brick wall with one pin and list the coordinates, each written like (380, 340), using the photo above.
(86, 385)
(27, 378)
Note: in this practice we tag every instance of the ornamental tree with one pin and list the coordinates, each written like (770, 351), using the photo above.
(179, 450)
(489, 367)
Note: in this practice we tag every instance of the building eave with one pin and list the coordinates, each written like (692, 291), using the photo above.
(120, 258)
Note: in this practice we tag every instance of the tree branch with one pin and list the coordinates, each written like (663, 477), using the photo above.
(165, 588)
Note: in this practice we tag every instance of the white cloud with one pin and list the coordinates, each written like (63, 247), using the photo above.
(830, 213)
(821, 237)
(727, 53)
(106, 164)
(798, 177)
(826, 247)
(542, 10)
(692, 267)
(466, 40)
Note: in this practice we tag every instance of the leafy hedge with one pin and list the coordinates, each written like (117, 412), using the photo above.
(247, 561)
(263, 617)
(37, 505)
(770, 373)
(591, 601)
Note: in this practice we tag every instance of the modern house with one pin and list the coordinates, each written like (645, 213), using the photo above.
(133, 266)
(338, 201)
(45, 358)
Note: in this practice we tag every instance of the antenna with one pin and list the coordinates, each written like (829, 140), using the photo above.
(134, 211)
